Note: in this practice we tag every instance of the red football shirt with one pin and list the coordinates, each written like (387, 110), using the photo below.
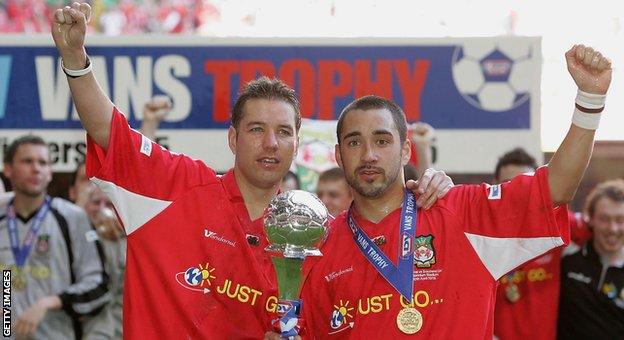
(191, 271)
(463, 244)
(527, 300)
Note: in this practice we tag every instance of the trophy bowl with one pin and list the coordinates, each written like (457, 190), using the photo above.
(296, 224)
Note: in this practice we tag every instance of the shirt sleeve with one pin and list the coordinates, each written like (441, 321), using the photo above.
(141, 177)
(579, 231)
(511, 223)
(88, 294)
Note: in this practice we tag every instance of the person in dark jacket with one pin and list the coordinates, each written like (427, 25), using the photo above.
(592, 279)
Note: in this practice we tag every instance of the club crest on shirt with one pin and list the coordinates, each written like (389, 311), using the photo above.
(43, 244)
(424, 253)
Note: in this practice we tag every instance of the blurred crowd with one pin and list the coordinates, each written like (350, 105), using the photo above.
(115, 17)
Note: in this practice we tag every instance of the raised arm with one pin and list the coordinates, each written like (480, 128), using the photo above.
(154, 111)
(591, 72)
(69, 27)
(423, 136)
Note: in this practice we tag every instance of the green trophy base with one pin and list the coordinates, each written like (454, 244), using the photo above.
(288, 277)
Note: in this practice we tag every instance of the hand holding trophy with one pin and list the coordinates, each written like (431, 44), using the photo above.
(296, 224)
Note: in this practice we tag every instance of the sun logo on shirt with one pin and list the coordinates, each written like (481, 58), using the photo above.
(340, 315)
(206, 274)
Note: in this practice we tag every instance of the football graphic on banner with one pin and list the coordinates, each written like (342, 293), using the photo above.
(493, 76)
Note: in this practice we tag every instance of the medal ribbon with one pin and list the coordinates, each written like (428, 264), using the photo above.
(401, 276)
(21, 253)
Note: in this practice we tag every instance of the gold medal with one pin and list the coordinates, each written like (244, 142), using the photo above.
(512, 292)
(19, 281)
(409, 320)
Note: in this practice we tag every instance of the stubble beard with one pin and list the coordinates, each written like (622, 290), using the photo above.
(375, 191)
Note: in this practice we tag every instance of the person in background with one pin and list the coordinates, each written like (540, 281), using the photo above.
(333, 190)
(592, 279)
(527, 297)
(99, 208)
(422, 136)
(56, 263)
(154, 112)
(290, 182)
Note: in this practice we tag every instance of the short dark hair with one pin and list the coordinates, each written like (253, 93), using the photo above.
(517, 156)
(333, 174)
(613, 190)
(371, 102)
(265, 88)
(26, 139)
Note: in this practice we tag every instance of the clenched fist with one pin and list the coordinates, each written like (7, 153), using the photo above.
(422, 134)
(590, 70)
(157, 108)
(69, 27)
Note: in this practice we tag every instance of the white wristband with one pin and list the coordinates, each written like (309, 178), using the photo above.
(77, 73)
(590, 100)
(589, 121)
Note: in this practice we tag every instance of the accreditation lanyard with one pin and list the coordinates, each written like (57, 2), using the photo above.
(21, 253)
(401, 275)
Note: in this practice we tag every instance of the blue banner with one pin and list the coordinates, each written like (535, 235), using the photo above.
(450, 86)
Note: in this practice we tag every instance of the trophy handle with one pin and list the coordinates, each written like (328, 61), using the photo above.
(275, 248)
(312, 252)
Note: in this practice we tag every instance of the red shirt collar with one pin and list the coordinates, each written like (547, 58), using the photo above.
(231, 187)
(386, 222)
(236, 199)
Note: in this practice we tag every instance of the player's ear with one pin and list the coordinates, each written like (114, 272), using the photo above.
(406, 152)
(337, 155)
(232, 134)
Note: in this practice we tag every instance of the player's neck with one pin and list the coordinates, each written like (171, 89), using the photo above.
(256, 198)
(26, 205)
(375, 209)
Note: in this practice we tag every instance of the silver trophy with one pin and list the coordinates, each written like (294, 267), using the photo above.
(296, 225)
